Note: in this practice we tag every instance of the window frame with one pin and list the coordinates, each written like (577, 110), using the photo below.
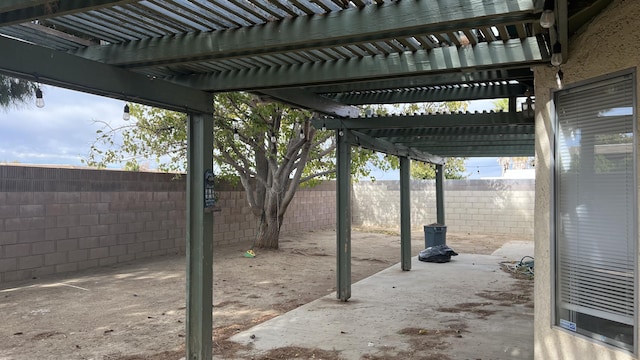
(554, 204)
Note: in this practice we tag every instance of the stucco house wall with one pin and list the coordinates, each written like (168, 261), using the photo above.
(606, 45)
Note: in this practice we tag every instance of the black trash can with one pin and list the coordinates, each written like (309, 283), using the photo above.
(435, 234)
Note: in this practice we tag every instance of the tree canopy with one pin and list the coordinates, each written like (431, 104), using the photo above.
(269, 147)
(14, 92)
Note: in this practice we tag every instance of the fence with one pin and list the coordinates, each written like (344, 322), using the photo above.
(478, 206)
(55, 220)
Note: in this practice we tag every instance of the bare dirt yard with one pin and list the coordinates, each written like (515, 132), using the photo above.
(137, 311)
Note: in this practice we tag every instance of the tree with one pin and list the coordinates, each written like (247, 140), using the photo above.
(270, 148)
(14, 92)
(453, 169)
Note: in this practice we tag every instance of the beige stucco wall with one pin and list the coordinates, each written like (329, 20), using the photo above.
(608, 44)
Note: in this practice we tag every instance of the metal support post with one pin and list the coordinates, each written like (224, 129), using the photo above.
(199, 239)
(343, 212)
(405, 213)
(440, 193)
(512, 105)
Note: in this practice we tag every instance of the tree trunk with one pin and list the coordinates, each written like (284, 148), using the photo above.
(268, 233)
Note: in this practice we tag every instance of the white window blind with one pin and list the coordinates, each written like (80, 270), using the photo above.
(595, 210)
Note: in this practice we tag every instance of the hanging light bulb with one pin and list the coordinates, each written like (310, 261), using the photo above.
(324, 127)
(301, 133)
(340, 133)
(39, 99)
(548, 17)
(273, 138)
(125, 114)
(236, 135)
(556, 56)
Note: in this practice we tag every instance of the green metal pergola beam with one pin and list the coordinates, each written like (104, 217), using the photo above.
(459, 93)
(562, 25)
(506, 131)
(308, 100)
(351, 26)
(24, 60)
(584, 15)
(460, 138)
(360, 139)
(405, 213)
(521, 74)
(484, 55)
(440, 194)
(343, 220)
(461, 141)
(481, 151)
(199, 239)
(11, 5)
(19, 11)
(425, 121)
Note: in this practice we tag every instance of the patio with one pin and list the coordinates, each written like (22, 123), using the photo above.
(467, 308)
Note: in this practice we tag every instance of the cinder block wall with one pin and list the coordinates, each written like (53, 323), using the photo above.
(311, 209)
(480, 206)
(55, 220)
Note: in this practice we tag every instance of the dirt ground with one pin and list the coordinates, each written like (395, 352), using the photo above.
(136, 311)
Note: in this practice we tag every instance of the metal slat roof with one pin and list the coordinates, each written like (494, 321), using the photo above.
(322, 54)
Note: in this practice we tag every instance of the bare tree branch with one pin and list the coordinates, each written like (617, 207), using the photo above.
(313, 176)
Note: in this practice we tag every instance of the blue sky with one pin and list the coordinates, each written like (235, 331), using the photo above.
(62, 132)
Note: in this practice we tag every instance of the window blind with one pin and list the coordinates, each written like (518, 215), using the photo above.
(595, 206)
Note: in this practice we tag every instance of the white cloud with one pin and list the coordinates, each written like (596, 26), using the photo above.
(60, 133)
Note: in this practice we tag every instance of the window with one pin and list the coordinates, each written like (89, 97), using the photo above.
(595, 210)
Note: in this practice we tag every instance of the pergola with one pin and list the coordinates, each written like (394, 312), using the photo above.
(325, 55)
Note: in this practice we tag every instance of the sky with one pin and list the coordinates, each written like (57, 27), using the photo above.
(61, 133)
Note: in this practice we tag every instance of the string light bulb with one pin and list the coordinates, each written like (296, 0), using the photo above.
(273, 138)
(125, 114)
(301, 133)
(236, 135)
(556, 56)
(39, 98)
(324, 127)
(548, 17)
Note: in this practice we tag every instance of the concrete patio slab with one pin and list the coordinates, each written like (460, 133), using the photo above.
(515, 250)
(465, 309)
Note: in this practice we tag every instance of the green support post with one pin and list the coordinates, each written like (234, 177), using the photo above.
(199, 239)
(440, 193)
(512, 104)
(405, 213)
(343, 212)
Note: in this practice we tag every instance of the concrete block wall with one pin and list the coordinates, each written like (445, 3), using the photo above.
(58, 220)
(479, 206)
(311, 209)
(55, 220)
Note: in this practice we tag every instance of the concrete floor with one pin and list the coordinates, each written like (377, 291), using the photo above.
(465, 309)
